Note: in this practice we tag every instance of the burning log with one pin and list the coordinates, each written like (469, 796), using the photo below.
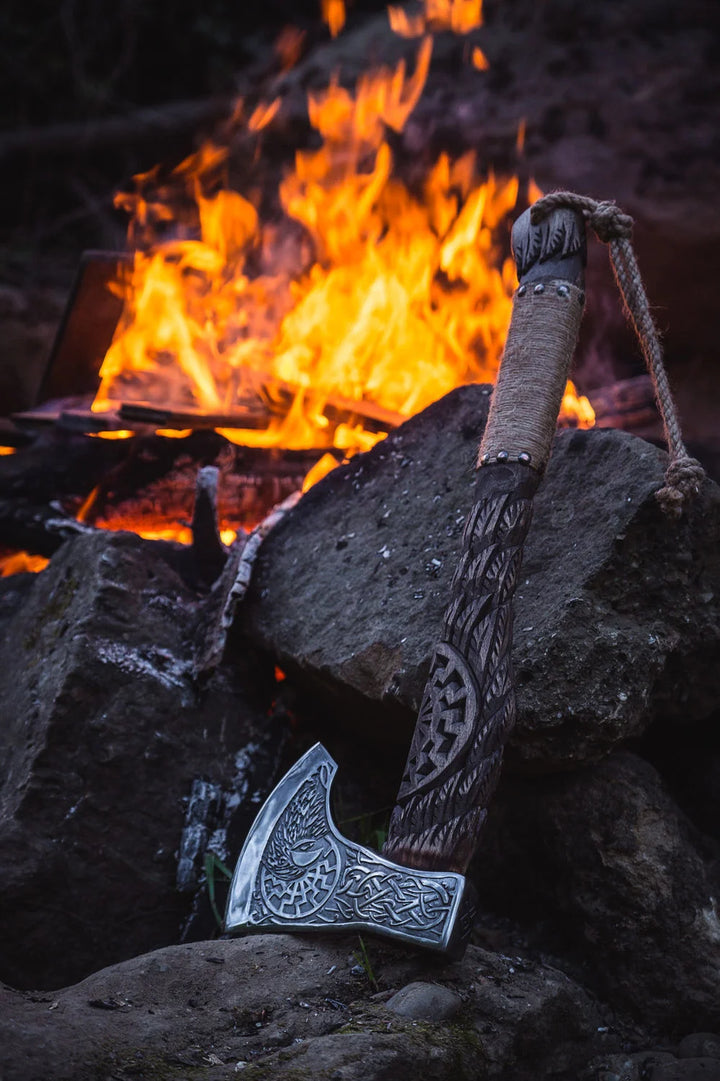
(146, 483)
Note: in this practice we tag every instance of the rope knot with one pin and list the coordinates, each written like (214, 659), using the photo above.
(683, 478)
(610, 223)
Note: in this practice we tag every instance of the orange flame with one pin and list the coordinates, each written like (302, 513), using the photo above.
(520, 140)
(479, 59)
(264, 115)
(18, 562)
(333, 13)
(408, 294)
(460, 16)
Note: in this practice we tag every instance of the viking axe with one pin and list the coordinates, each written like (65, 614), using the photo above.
(296, 871)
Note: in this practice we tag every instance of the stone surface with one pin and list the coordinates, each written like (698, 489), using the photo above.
(294, 1007)
(638, 1066)
(102, 732)
(699, 1045)
(605, 862)
(617, 614)
(425, 1002)
(688, 1069)
(691, 770)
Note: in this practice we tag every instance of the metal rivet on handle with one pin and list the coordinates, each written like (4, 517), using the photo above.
(539, 288)
(502, 455)
(522, 291)
(523, 456)
(485, 459)
(563, 291)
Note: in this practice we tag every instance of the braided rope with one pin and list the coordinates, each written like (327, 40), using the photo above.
(684, 475)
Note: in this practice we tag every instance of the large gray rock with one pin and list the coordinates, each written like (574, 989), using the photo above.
(103, 730)
(607, 863)
(617, 612)
(278, 1006)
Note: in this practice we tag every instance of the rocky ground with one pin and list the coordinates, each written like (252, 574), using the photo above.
(308, 1007)
(597, 952)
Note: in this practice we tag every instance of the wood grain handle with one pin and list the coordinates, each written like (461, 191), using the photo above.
(468, 707)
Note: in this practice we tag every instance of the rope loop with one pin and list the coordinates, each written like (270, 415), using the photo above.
(606, 218)
(684, 475)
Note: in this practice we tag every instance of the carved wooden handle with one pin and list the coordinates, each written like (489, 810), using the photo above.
(468, 707)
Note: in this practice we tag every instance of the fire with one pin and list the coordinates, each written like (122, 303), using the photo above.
(479, 59)
(460, 16)
(333, 13)
(156, 528)
(392, 297)
(18, 562)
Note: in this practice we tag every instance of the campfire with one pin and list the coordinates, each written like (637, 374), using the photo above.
(249, 480)
(313, 327)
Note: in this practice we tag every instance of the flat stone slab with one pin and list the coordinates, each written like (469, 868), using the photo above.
(617, 612)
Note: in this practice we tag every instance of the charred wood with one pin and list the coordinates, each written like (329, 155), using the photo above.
(35, 528)
(230, 588)
(208, 552)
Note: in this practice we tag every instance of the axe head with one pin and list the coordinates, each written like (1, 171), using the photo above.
(296, 872)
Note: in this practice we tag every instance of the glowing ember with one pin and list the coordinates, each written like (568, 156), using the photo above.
(6, 451)
(114, 433)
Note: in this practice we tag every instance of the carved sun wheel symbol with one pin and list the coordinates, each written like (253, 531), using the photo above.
(447, 715)
(295, 898)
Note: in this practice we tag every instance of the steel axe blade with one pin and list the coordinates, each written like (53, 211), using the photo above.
(297, 872)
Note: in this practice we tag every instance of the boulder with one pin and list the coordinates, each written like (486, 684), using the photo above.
(103, 731)
(299, 1007)
(617, 611)
(617, 878)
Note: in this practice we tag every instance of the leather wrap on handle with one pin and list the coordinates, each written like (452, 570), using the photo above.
(468, 707)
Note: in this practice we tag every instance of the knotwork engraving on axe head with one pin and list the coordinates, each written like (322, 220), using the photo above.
(296, 871)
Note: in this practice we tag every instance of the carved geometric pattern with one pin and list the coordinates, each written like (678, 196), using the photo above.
(468, 707)
(445, 719)
(555, 238)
